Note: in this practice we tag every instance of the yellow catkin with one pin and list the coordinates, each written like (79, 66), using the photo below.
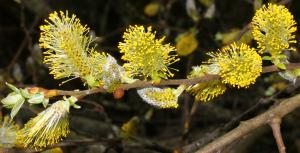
(165, 96)
(66, 41)
(207, 91)
(239, 65)
(69, 53)
(145, 55)
(273, 28)
(161, 98)
(47, 128)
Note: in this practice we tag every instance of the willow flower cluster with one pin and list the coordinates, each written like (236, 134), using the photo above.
(48, 127)
(146, 56)
(239, 65)
(273, 27)
(67, 43)
(161, 98)
(206, 91)
(69, 52)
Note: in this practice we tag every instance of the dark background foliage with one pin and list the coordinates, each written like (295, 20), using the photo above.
(102, 116)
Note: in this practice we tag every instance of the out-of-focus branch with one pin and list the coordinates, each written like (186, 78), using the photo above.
(210, 136)
(275, 125)
(274, 113)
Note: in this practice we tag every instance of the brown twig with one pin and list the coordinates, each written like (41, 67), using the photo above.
(143, 84)
(275, 125)
(217, 132)
(245, 127)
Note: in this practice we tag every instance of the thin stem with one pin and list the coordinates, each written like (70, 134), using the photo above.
(275, 125)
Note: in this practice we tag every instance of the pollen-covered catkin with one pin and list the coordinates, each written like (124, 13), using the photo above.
(145, 55)
(239, 65)
(47, 128)
(69, 52)
(161, 98)
(273, 28)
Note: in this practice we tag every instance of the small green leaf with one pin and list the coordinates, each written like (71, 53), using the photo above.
(11, 99)
(76, 106)
(281, 66)
(16, 108)
(72, 100)
(282, 56)
(25, 93)
(267, 58)
(12, 87)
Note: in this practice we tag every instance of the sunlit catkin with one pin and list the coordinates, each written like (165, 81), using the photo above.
(68, 48)
(206, 91)
(273, 28)
(145, 55)
(161, 98)
(239, 65)
(47, 128)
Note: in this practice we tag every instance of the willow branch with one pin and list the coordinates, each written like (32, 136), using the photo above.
(275, 125)
(143, 84)
(245, 127)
